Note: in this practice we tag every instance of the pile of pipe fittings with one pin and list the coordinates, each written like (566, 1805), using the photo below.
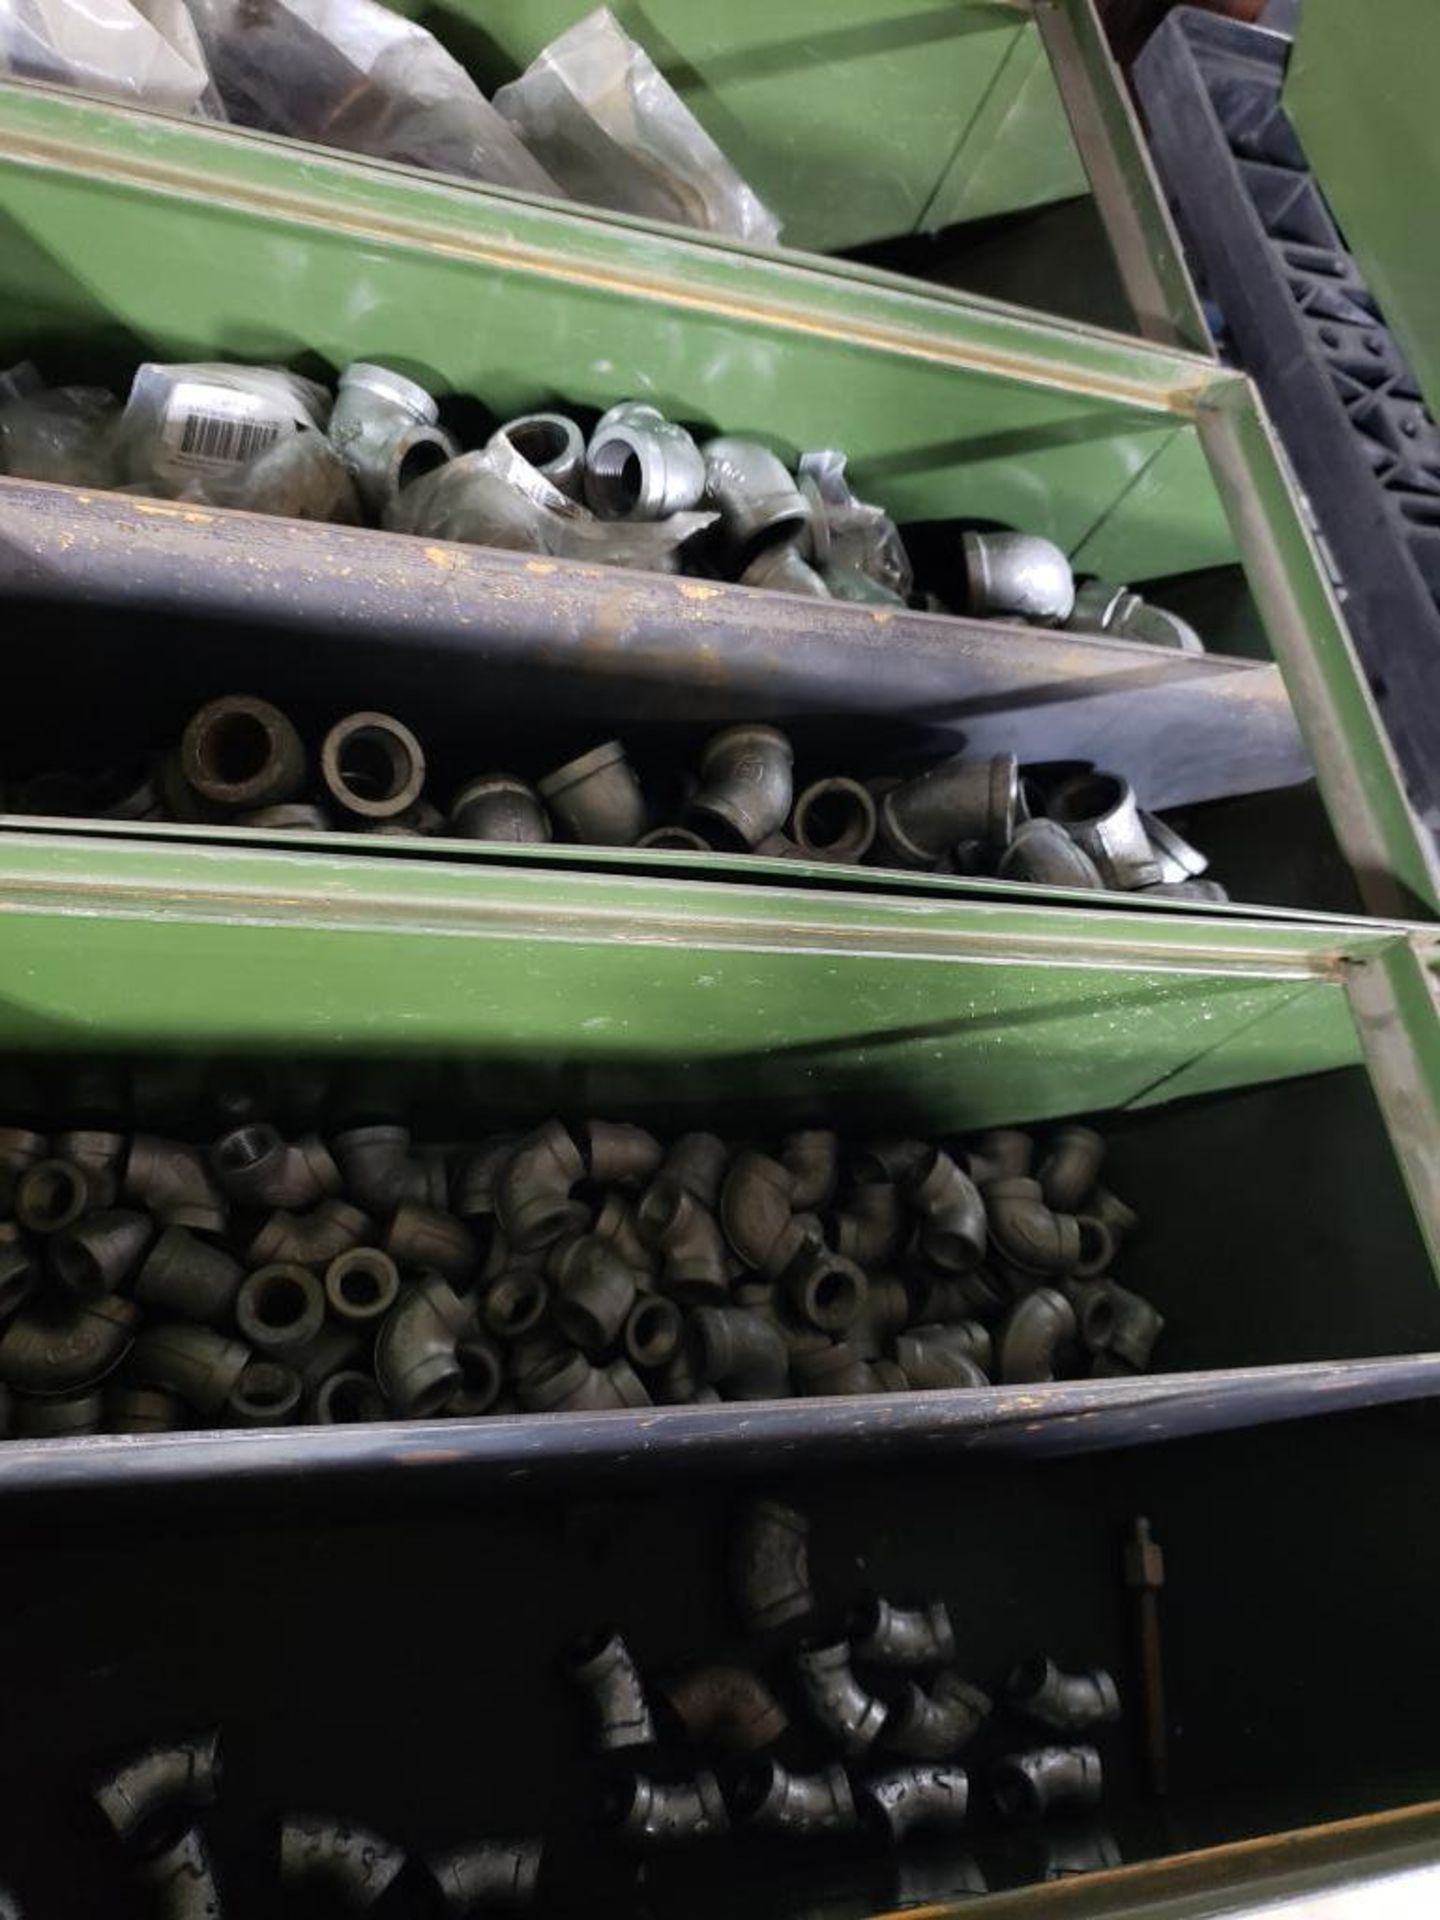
(242, 761)
(155, 1804)
(821, 1734)
(148, 1284)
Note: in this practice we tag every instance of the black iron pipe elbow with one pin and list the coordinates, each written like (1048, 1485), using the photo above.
(596, 798)
(1004, 1153)
(617, 1153)
(238, 752)
(416, 1360)
(472, 1182)
(1135, 1327)
(1068, 1173)
(311, 1239)
(45, 1351)
(1027, 1231)
(361, 1284)
(742, 1354)
(1033, 1336)
(19, 1277)
(903, 1800)
(595, 1291)
(826, 1290)
(347, 1397)
(767, 1798)
(267, 1394)
(730, 1708)
(143, 1410)
(836, 1701)
(377, 1167)
(746, 786)
(933, 1362)
(812, 1159)
(432, 1240)
(871, 1228)
(566, 1382)
(1068, 1702)
(890, 1636)
(280, 1308)
(259, 1169)
(499, 808)
(959, 801)
(1043, 853)
(172, 1181)
(953, 1231)
(666, 1813)
(1027, 1785)
(487, 1873)
(352, 1864)
(618, 1225)
(833, 1368)
(142, 1796)
(934, 1723)
(757, 1211)
(189, 1276)
(180, 1879)
(532, 1190)
(515, 1303)
(605, 1672)
(654, 1333)
(770, 1566)
(100, 1252)
(196, 1364)
(695, 1268)
(696, 1162)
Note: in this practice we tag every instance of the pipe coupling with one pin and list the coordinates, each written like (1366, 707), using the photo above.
(596, 798)
(497, 807)
(241, 753)
(372, 765)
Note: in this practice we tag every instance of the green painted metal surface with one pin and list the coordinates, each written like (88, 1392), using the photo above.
(1360, 88)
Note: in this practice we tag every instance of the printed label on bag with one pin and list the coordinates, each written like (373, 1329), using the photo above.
(206, 428)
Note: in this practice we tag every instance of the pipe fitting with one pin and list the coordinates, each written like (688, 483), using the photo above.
(726, 1707)
(825, 1289)
(142, 1796)
(143, 1410)
(97, 1150)
(1100, 813)
(695, 1267)
(100, 1252)
(429, 1238)
(741, 1354)
(934, 1723)
(757, 1213)
(835, 819)
(311, 1239)
(416, 1362)
(1020, 574)
(696, 1162)
(746, 786)
(196, 1364)
(351, 1864)
(240, 753)
(932, 1362)
(1026, 1785)
(1209, 890)
(568, 1383)
(665, 1813)
(372, 765)
(886, 1312)
(1068, 1702)
(57, 1416)
(267, 1394)
(54, 1194)
(812, 1159)
(1043, 854)
(871, 1228)
(500, 808)
(377, 1167)
(617, 1153)
(554, 446)
(336, 1346)
(958, 800)
(348, 1397)
(514, 1303)
(832, 1369)
(180, 1879)
(487, 1873)
(641, 466)
(1094, 1312)
(890, 1636)
(654, 1333)
(673, 840)
(766, 1798)
(258, 1169)
(595, 1291)
(770, 1566)
(1068, 1173)
(532, 1190)
(952, 1214)
(618, 1225)
(45, 1351)
(1135, 1328)
(19, 1149)
(383, 428)
(754, 494)
(675, 1384)
(1179, 861)
(782, 568)
(837, 1702)
(482, 1366)
(279, 1308)
(596, 798)
(1026, 1231)
(1119, 1220)
(903, 1800)
(1032, 1336)
(605, 1672)
(19, 1277)
(295, 817)
(362, 1284)
(472, 1183)
(185, 1275)
(1004, 1153)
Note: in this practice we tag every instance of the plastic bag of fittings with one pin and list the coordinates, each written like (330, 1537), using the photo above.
(351, 74)
(299, 476)
(184, 425)
(857, 547)
(62, 434)
(595, 108)
(145, 50)
(496, 498)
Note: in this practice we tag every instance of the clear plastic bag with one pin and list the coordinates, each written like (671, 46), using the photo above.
(595, 108)
(63, 434)
(184, 425)
(144, 50)
(858, 548)
(351, 74)
(300, 476)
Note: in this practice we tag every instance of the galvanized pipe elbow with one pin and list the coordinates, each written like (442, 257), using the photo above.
(1027, 1231)
(1043, 854)
(726, 1707)
(1100, 813)
(746, 786)
(923, 819)
(695, 1268)
(641, 466)
(259, 1169)
(383, 427)
(416, 1360)
(666, 1813)
(890, 1636)
(770, 1566)
(741, 1354)
(767, 1798)
(1068, 1702)
(837, 1702)
(1026, 1785)
(757, 499)
(1021, 574)
(757, 1213)
(595, 1291)
(42, 1351)
(353, 1865)
(605, 1672)
(173, 1182)
(241, 753)
(934, 1724)
(100, 1252)
(196, 1364)
(185, 1275)
(1033, 1335)
(903, 1800)
(487, 1873)
(532, 1189)
(141, 1797)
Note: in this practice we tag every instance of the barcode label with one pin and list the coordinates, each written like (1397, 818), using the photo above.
(218, 438)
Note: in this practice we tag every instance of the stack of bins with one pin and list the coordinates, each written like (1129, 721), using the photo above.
(1266, 1073)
